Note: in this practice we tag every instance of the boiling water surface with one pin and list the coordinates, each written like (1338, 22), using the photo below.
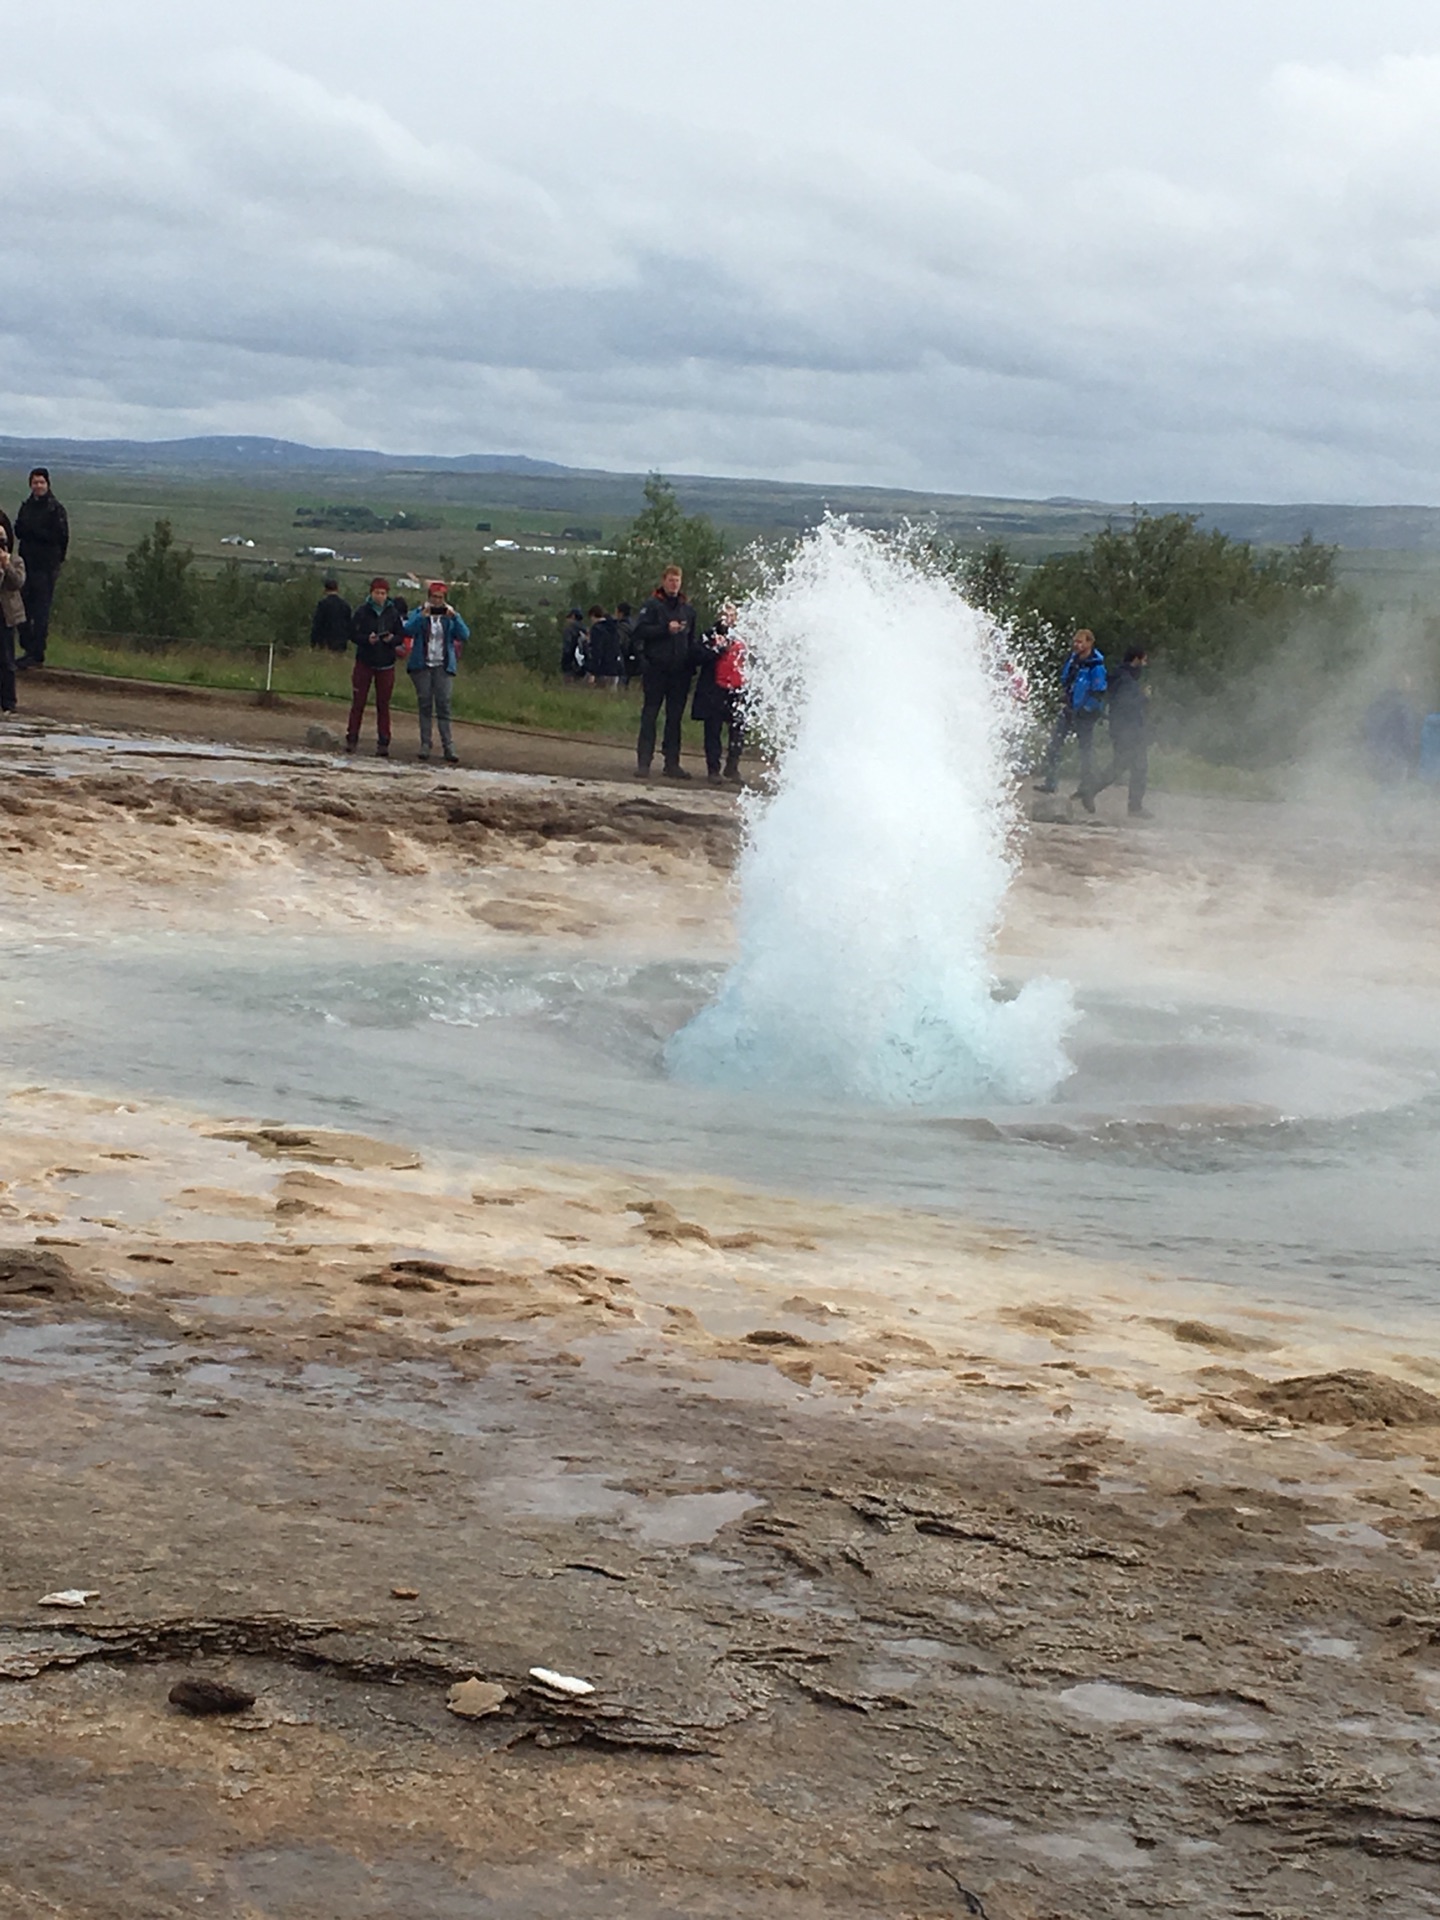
(1292, 1153)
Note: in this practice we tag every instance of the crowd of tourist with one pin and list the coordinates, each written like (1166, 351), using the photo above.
(662, 647)
(383, 632)
(659, 644)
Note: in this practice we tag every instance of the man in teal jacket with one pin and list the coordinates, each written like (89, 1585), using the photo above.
(436, 633)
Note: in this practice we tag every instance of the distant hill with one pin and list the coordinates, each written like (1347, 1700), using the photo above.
(760, 506)
(237, 454)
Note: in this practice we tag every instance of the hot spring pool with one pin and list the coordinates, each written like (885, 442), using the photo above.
(1293, 1154)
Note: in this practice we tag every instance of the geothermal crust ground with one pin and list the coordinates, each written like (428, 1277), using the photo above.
(907, 1552)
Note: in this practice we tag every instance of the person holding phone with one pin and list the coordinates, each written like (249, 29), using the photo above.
(436, 634)
(664, 638)
(379, 635)
(12, 613)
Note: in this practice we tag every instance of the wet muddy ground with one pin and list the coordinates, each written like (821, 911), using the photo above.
(917, 1569)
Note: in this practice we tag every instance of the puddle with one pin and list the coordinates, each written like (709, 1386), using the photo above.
(1114, 1705)
(1105, 1842)
(1350, 1533)
(1324, 1646)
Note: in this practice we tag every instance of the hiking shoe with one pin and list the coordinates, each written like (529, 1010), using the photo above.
(642, 773)
(1087, 800)
(1044, 786)
(382, 750)
(351, 745)
(675, 773)
(423, 754)
(452, 759)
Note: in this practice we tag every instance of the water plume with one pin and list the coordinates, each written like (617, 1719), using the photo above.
(872, 880)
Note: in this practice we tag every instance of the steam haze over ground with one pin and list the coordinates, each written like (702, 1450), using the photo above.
(1110, 250)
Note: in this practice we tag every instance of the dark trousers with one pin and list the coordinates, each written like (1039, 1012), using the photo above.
(383, 680)
(7, 669)
(1082, 725)
(669, 690)
(732, 722)
(39, 592)
(1129, 755)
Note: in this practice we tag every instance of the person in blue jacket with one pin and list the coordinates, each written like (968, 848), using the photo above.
(436, 634)
(1082, 682)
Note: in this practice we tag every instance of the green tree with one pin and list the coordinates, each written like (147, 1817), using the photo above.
(990, 579)
(659, 535)
(1242, 642)
(151, 592)
(1206, 603)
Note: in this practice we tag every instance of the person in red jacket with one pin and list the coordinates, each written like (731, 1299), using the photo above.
(380, 640)
(719, 703)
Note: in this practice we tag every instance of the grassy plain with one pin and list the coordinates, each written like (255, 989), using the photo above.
(109, 513)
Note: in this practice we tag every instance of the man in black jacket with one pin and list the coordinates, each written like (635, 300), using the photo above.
(1129, 730)
(664, 638)
(43, 529)
(330, 623)
(379, 633)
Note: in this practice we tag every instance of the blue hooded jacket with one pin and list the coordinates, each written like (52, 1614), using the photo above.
(1084, 682)
(418, 628)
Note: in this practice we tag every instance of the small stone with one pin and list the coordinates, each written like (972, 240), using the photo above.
(322, 739)
(474, 1699)
(405, 1593)
(202, 1696)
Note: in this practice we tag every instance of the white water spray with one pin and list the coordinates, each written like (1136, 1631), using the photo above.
(872, 881)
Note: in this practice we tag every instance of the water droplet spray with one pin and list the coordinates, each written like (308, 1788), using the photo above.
(872, 880)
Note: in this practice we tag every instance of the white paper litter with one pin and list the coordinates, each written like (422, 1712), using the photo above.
(560, 1682)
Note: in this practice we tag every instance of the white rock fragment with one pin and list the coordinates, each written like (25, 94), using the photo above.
(561, 1682)
(69, 1597)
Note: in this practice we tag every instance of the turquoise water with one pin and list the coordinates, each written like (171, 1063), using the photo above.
(1296, 1155)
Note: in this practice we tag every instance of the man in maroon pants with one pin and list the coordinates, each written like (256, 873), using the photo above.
(379, 641)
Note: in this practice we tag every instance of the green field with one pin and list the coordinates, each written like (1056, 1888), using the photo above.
(110, 513)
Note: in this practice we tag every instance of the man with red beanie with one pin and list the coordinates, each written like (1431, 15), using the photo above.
(379, 642)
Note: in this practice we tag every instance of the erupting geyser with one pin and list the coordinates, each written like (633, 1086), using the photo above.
(872, 881)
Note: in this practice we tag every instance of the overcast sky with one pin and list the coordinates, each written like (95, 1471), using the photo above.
(1114, 248)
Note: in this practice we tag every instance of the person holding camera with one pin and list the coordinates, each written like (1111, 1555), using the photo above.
(436, 634)
(719, 703)
(12, 613)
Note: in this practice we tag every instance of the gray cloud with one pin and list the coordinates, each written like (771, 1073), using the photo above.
(933, 249)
